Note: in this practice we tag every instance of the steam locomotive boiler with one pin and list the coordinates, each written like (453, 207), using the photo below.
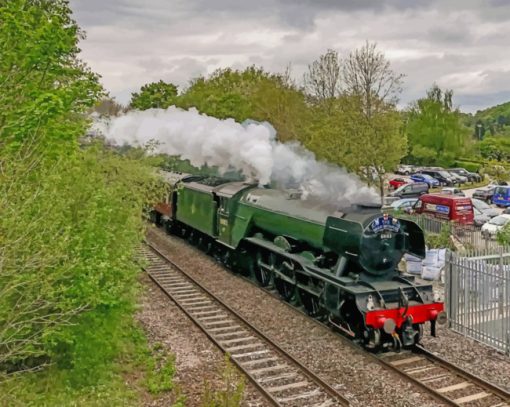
(339, 265)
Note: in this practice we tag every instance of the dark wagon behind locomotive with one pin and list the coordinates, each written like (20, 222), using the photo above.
(340, 265)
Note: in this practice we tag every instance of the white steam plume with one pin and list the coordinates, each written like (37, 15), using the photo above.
(250, 147)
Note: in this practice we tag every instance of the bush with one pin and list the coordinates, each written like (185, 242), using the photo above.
(68, 234)
(469, 165)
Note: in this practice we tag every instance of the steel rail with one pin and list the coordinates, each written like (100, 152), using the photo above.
(418, 350)
(329, 390)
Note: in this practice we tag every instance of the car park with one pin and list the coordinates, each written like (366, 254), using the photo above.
(501, 196)
(442, 176)
(485, 208)
(452, 208)
(395, 183)
(491, 228)
(413, 190)
(432, 182)
(479, 218)
(471, 176)
(452, 191)
(484, 194)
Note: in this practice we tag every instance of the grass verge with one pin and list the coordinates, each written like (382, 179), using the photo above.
(136, 373)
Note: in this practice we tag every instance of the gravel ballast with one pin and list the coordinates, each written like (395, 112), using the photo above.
(363, 381)
(197, 359)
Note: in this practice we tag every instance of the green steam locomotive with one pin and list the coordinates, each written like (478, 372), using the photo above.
(339, 265)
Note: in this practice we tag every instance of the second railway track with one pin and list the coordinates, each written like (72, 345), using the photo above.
(282, 379)
(446, 382)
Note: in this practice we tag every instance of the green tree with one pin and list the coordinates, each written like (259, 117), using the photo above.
(495, 148)
(352, 120)
(434, 128)
(70, 216)
(154, 95)
(44, 87)
(250, 94)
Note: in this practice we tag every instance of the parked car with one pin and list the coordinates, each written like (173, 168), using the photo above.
(492, 227)
(485, 208)
(398, 182)
(432, 182)
(496, 183)
(413, 190)
(442, 176)
(471, 176)
(460, 178)
(484, 194)
(479, 218)
(404, 169)
(452, 208)
(452, 191)
(404, 205)
(501, 196)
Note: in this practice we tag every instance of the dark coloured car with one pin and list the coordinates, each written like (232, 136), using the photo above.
(432, 182)
(484, 194)
(471, 176)
(414, 190)
(442, 176)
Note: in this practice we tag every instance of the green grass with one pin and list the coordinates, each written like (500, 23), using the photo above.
(474, 185)
(137, 371)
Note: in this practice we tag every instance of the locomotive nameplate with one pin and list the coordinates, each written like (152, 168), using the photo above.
(385, 223)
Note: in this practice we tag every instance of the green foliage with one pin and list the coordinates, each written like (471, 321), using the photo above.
(232, 393)
(249, 94)
(435, 132)
(495, 148)
(497, 171)
(441, 240)
(503, 236)
(70, 222)
(43, 85)
(160, 370)
(468, 165)
(114, 381)
(154, 95)
(493, 121)
(67, 238)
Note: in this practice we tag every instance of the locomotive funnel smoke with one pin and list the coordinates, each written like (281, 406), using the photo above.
(250, 148)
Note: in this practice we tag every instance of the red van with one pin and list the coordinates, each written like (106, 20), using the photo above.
(455, 208)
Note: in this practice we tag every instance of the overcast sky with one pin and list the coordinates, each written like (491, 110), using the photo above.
(460, 44)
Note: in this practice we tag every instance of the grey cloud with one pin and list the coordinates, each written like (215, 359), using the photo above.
(460, 44)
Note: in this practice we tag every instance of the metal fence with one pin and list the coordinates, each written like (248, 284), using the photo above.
(477, 298)
(470, 236)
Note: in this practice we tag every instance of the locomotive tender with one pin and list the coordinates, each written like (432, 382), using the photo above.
(340, 265)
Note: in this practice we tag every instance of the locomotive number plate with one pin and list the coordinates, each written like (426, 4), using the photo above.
(386, 235)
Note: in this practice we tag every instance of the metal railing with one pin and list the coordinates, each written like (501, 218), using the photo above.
(470, 236)
(477, 298)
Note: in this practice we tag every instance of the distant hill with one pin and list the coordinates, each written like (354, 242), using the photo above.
(493, 121)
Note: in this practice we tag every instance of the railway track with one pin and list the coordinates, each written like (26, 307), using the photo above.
(282, 379)
(446, 382)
